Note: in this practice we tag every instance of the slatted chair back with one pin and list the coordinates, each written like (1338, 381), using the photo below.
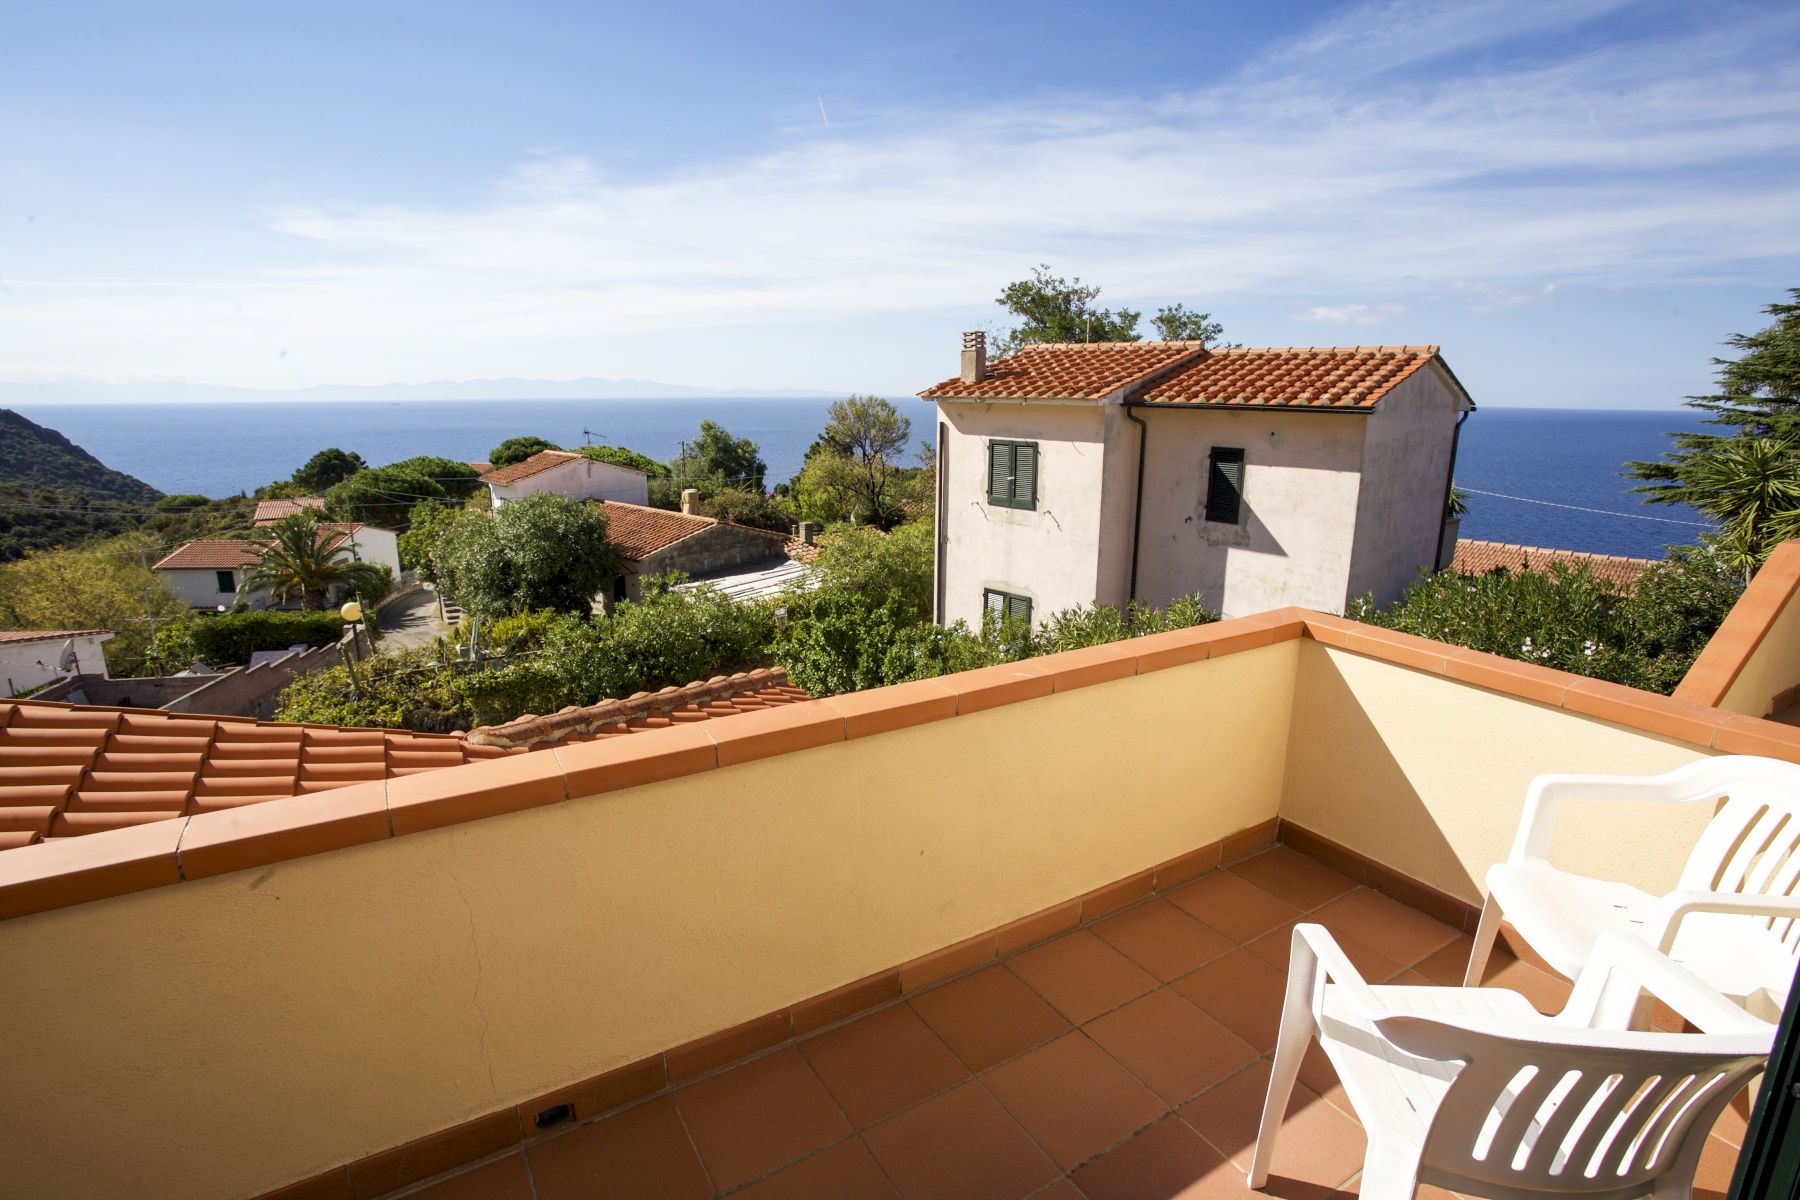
(1752, 845)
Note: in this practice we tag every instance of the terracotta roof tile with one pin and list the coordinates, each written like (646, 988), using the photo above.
(639, 531)
(1353, 377)
(270, 511)
(206, 556)
(1068, 371)
(69, 770)
(12, 636)
(538, 463)
(1483, 558)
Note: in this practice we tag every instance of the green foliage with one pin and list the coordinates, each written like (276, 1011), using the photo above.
(429, 523)
(306, 560)
(1741, 477)
(411, 688)
(182, 503)
(457, 479)
(32, 456)
(233, 637)
(1061, 310)
(327, 469)
(853, 468)
(541, 551)
(744, 507)
(102, 587)
(517, 450)
(624, 458)
(1573, 621)
(1174, 323)
(383, 496)
(716, 455)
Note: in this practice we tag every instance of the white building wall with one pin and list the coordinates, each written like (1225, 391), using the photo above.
(378, 546)
(27, 665)
(582, 479)
(1049, 553)
(1297, 525)
(1405, 464)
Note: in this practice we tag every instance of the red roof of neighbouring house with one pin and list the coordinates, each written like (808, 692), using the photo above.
(15, 636)
(1482, 558)
(639, 531)
(216, 555)
(542, 461)
(1186, 374)
(270, 511)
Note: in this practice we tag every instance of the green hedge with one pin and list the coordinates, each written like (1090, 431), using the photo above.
(233, 637)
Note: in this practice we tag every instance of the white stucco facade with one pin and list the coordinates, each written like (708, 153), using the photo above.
(581, 478)
(28, 662)
(373, 545)
(1335, 502)
(205, 587)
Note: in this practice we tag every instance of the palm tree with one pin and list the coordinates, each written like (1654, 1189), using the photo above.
(1751, 487)
(304, 557)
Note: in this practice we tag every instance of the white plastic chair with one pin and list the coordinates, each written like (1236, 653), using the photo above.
(1732, 920)
(1473, 1090)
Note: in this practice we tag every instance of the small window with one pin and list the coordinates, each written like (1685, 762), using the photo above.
(1005, 605)
(226, 582)
(1012, 474)
(1225, 486)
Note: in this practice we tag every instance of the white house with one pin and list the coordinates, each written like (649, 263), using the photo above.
(568, 474)
(1101, 472)
(208, 574)
(31, 658)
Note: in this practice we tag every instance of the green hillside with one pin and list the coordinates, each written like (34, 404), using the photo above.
(42, 459)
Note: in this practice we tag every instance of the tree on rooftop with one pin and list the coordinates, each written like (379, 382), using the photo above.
(517, 450)
(624, 457)
(1758, 400)
(1174, 323)
(1062, 310)
(326, 469)
(305, 559)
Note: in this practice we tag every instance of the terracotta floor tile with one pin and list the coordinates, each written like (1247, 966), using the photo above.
(1062, 1189)
(1163, 939)
(988, 1017)
(1168, 1161)
(844, 1172)
(1242, 993)
(1548, 993)
(1717, 1162)
(1319, 1146)
(959, 1146)
(1073, 1098)
(1276, 949)
(879, 1064)
(1233, 905)
(1447, 966)
(1303, 882)
(1317, 1073)
(1173, 1047)
(760, 1116)
(503, 1179)
(1734, 1122)
(642, 1153)
(1081, 975)
(1387, 926)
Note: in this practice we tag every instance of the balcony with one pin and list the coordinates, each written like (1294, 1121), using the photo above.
(1018, 932)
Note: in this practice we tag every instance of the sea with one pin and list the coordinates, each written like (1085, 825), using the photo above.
(1536, 476)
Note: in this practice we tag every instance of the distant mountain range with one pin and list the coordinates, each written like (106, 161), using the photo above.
(38, 458)
(81, 392)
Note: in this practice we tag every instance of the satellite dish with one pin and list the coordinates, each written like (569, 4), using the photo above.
(66, 660)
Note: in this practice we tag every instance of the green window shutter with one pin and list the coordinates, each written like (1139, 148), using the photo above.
(1025, 475)
(1000, 469)
(1019, 607)
(1225, 485)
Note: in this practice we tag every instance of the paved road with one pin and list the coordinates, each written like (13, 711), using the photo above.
(411, 620)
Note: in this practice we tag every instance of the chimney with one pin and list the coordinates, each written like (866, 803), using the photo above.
(690, 501)
(806, 532)
(974, 361)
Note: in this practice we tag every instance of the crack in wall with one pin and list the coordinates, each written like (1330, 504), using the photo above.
(475, 996)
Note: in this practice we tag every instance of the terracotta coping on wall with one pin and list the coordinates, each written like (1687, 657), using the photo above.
(1749, 621)
(531, 729)
(53, 875)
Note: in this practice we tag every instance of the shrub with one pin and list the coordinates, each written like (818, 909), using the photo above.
(182, 503)
(429, 524)
(383, 496)
(326, 469)
(542, 551)
(232, 638)
(413, 688)
(624, 458)
(458, 479)
(517, 450)
(743, 507)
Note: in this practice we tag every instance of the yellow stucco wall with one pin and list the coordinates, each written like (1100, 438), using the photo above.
(1428, 776)
(223, 1037)
(1772, 668)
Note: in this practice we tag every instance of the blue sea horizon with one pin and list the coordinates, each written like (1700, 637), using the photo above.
(1537, 476)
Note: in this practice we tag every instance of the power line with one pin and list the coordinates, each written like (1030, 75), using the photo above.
(1605, 512)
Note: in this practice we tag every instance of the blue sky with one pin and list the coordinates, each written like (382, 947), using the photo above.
(1578, 200)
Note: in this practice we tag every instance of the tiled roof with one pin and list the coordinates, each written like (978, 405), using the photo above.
(1482, 558)
(1067, 371)
(1353, 377)
(538, 463)
(799, 551)
(67, 770)
(639, 531)
(15, 636)
(270, 511)
(484, 468)
(202, 556)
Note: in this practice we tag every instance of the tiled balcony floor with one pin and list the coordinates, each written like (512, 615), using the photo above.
(1122, 1061)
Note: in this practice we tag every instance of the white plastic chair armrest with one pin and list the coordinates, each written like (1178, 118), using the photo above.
(1600, 1002)
(1677, 905)
(1313, 948)
(1683, 785)
(1445, 1036)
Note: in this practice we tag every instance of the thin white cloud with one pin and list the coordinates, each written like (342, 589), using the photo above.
(1349, 314)
(1336, 164)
